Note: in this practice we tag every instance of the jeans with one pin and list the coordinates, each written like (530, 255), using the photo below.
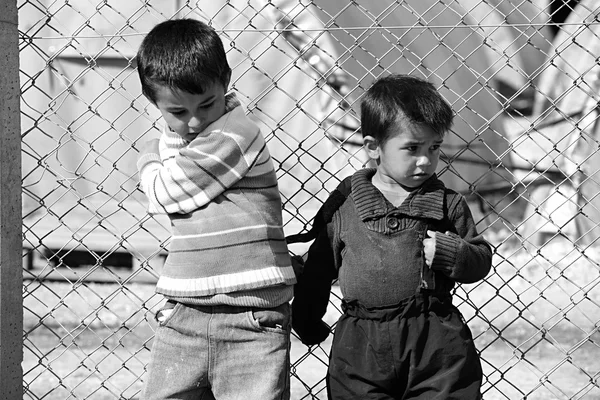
(220, 352)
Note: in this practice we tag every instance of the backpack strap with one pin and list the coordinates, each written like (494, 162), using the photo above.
(325, 213)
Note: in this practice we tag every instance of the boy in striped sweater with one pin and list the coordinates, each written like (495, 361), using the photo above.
(224, 331)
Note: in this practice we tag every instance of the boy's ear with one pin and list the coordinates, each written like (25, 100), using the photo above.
(371, 146)
(227, 81)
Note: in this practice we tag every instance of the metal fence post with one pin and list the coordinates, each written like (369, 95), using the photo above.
(11, 274)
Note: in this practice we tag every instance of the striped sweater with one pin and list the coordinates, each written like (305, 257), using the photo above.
(220, 192)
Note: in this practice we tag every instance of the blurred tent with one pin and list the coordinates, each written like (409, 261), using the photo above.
(562, 141)
(433, 40)
(82, 116)
(517, 39)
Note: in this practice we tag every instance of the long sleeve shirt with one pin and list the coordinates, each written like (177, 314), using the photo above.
(220, 192)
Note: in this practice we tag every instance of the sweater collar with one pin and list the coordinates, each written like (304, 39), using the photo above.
(427, 201)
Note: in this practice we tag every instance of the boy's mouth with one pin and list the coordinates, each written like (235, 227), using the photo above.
(191, 136)
(421, 175)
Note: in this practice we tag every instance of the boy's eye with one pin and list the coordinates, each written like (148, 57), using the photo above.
(178, 112)
(205, 106)
(435, 147)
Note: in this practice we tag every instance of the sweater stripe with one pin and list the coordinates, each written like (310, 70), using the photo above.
(168, 191)
(158, 180)
(246, 280)
(219, 161)
(227, 231)
(224, 246)
(248, 150)
(267, 297)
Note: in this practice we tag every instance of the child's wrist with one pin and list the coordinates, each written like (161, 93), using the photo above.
(147, 158)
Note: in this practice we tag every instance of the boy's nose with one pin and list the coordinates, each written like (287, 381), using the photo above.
(195, 123)
(423, 160)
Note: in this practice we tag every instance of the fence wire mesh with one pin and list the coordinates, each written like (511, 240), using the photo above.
(522, 77)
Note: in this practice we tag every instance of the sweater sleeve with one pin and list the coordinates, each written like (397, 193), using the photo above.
(311, 293)
(197, 174)
(464, 256)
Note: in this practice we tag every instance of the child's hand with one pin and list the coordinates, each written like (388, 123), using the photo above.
(429, 247)
(311, 333)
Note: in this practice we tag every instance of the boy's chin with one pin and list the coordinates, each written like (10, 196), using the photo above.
(188, 136)
(416, 181)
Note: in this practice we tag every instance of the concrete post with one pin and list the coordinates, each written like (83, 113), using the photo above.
(11, 274)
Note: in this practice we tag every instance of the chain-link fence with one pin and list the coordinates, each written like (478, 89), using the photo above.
(522, 77)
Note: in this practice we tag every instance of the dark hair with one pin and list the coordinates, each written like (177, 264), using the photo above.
(403, 98)
(183, 54)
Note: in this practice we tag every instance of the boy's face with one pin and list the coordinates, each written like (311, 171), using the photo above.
(409, 157)
(188, 114)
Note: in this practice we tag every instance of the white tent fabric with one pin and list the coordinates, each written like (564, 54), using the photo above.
(427, 38)
(516, 37)
(566, 133)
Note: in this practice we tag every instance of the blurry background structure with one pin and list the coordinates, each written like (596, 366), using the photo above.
(522, 76)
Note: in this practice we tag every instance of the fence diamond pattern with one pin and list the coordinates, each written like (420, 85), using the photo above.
(522, 76)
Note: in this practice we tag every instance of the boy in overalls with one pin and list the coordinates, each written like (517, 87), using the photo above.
(398, 240)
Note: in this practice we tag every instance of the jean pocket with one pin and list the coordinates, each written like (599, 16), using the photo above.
(271, 319)
(166, 313)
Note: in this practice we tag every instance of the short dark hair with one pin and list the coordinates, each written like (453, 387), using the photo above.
(182, 54)
(404, 98)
